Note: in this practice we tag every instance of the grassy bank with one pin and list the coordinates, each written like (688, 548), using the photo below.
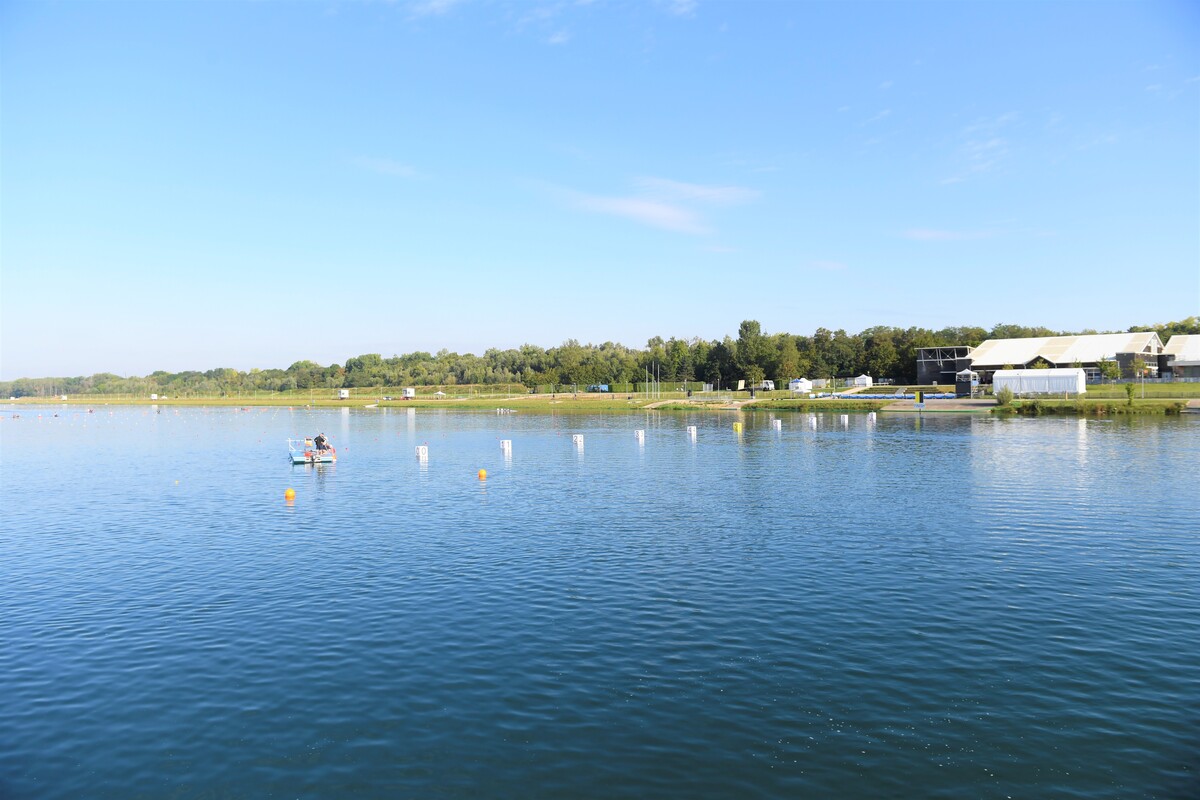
(617, 403)
(519, 402)
(1091, 408)
(532, 404)
(828, 404)
(522, 403)
(1156, 391)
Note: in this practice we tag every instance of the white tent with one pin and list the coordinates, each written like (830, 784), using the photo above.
(800, 385)
(863, 380)
(1040, 381)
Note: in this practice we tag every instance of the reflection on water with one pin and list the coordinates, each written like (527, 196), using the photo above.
(838, 605)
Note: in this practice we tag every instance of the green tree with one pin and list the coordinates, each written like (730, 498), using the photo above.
(880, 355)
(751, 348)
(789, 359)
(1109, 369)
(679, 360)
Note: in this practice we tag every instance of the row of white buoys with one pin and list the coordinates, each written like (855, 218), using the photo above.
(639, 436)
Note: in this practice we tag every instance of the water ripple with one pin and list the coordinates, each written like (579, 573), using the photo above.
(906, 607)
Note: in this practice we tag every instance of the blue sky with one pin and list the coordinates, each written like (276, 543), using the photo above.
(194, 185)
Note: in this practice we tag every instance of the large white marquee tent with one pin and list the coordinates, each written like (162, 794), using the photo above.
(1040, 381)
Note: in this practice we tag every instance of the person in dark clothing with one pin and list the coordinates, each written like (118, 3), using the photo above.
(321, 442)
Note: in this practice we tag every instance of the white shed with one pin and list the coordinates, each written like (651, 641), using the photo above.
(409, 393)
(800, 385)
(863, 380)
(1040, 381)
(343, 394)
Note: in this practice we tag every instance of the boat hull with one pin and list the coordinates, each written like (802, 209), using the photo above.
(309, 457)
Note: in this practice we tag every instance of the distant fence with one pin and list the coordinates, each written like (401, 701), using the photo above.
(624, 388)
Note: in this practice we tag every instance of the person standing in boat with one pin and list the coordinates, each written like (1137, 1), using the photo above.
(321, 442)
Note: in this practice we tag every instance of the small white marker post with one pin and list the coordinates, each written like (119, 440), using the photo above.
(691, 432)
(640, 436)
(422, 453)
(777, 424)
(577, 439)
(506, 445)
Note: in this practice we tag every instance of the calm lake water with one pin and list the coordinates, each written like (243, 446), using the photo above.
(945, 607)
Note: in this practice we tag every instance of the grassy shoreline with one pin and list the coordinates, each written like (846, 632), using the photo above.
(608, 403)
(518, 403)
(1092, 408)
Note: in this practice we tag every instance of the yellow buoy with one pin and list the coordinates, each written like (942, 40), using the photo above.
(290, 494)
(483, 474)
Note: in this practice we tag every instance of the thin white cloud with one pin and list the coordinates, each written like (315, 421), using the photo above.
(747, 165)
(432, 8)
(984, 154)
(887, 112)
(885, 85)
(662, 203)
(654, 213)
(934, 235)
(989, 124)
(1098, 141)
(538, 15)
(667, 189)
(827, 266)
(982, 148)
(681, 8)
(560, 37)
(385, 166)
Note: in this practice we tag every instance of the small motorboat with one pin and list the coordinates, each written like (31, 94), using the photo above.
(304, 451)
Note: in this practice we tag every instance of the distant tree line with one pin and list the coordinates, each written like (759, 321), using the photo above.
(880, 351)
